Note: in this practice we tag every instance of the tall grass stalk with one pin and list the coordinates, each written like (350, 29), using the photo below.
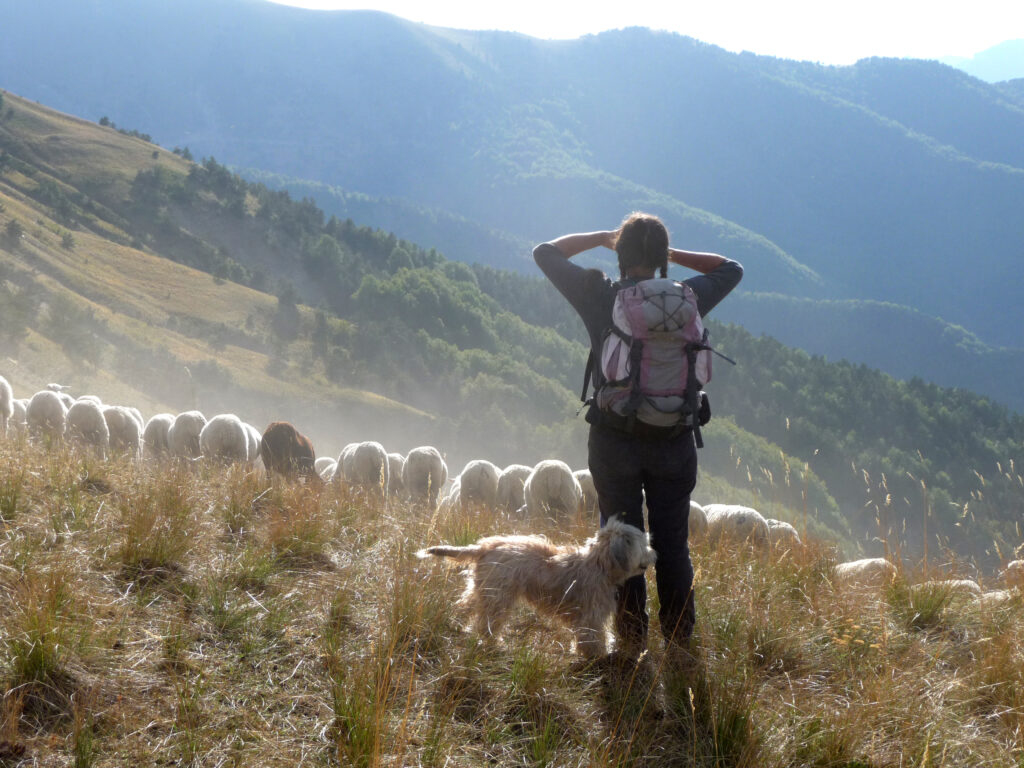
(188, 716)
(39, 629)
(83, 734)
(12, 483)
(157, 523)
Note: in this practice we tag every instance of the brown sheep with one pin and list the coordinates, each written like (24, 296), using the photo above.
(287, 451)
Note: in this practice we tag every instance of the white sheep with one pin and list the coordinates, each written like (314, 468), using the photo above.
(697, 522)
(125, 430)
(868, 572)
(325, 466)
(135, 415)
(224, 438)
(19, 414)
(478, 483)
(396, 466)
(452, 498)
(996, 597)
(345, 460)
(87, 426)
(253, 438)
(551, 487)
(586, 481)
(781, 533)
(6, 404)
(155, 443)
(46, 414)
(424, 474)
(968, 588)
(1013, 574)
(733, 522)
(183, 435)
(510, 496)
(367, 465)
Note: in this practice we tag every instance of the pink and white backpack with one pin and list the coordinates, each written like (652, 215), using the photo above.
(655, 357)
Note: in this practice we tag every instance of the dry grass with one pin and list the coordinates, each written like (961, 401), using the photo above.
(205, 617)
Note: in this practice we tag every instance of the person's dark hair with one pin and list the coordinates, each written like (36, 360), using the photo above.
(642, 242)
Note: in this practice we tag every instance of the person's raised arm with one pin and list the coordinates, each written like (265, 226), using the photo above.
(570, 245)
(695, 260)
(718, 275)
(554, 259)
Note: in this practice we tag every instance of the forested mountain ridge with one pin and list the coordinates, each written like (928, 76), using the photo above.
(902, 341)
(866, 183)
(409, 347)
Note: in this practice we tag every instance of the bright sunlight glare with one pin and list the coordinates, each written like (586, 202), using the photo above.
(825, 31)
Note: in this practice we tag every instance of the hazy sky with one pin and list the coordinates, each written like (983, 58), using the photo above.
(826, 31)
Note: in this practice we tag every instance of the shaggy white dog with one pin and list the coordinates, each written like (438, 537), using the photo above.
(574, 584)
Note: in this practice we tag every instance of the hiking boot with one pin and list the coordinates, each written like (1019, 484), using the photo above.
(630, 646)
(681, 660)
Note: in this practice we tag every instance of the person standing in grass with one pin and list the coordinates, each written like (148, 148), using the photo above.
(629, 457)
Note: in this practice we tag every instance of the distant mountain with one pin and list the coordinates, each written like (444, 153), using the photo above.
(890, 181)
(457, 237)
(1014, 90)
(993, 65)
(898, 340)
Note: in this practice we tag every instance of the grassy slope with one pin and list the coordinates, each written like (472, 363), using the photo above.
(135, 292)
(155, 303)
(206, 618)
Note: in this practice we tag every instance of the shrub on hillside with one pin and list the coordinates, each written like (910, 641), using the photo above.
(75, 328)
(18, 310)
(13, 231)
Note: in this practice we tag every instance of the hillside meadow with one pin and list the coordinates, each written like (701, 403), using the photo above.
(161, 615)
(134, 274)
(150, 280)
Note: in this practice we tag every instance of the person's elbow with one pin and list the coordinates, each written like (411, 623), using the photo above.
(738, 268)
(728, 273)
(546, 253)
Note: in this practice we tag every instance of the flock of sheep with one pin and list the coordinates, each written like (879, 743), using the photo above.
(550, 488)
(107, 430)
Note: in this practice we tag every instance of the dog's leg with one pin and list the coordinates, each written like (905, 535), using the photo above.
(492, 610)
(486, 608)
(590, 641)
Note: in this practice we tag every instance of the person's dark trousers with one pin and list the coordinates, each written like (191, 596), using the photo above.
(625, 467)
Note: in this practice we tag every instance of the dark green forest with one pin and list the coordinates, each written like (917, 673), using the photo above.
(500, 355)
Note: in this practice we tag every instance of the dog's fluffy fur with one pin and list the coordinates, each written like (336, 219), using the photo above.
(575, 584)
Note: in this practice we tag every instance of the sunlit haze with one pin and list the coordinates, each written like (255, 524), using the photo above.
(825, 31)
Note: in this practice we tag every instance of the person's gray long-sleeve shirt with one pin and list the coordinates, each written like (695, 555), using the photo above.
(592, 294)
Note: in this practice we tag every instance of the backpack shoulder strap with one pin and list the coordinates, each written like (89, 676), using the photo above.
(587, 371)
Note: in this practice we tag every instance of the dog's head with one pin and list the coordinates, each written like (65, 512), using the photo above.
(625, 548)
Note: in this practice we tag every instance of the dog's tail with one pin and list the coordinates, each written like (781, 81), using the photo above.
(471, 552)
